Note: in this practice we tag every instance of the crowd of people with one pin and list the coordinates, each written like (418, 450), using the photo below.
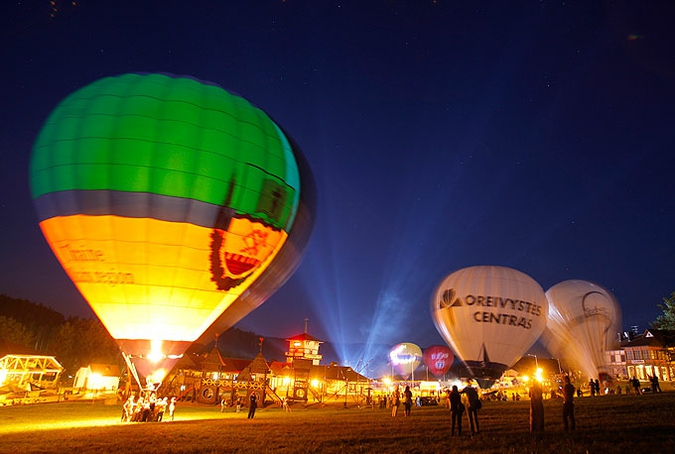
(568, 392)
(468, 401)
(471, 404)
(594, 386)
(654, 385)
(458, 402)
(148, 408)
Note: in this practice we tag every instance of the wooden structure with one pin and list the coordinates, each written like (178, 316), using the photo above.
(304, 347)
(211, 378)
(23, 367)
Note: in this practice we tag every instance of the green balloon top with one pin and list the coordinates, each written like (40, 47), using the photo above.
(167, 136)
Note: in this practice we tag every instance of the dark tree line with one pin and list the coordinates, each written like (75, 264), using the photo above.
(75, 342)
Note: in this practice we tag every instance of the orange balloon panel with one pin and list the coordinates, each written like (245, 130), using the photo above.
(152, 279)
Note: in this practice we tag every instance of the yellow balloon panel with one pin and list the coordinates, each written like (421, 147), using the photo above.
(152, 279)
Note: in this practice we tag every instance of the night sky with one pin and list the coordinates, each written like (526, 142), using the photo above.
(441, 134)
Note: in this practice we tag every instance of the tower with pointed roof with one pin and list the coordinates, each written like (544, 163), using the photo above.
(304, 347)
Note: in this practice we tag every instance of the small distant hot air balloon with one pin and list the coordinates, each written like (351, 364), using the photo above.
(582, 321)
(490, 316)
(406, 357)
(167, 201)
(438, 358)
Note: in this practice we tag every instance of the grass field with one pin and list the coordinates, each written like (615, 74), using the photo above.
(608, 424)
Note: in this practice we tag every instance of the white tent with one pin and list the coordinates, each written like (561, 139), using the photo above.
(100, 377)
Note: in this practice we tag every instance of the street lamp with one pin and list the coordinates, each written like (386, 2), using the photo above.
(537, 371)
(536, 363)
(346, 389)
(346, 379)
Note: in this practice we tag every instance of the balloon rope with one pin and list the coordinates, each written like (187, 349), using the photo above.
(132, 369)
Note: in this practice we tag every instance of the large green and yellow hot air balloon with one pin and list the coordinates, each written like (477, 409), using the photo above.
(169, 201)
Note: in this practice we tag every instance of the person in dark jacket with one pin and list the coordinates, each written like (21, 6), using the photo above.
(536, 408)
(253, 404)
(456, 409)
(568, 403)
(474, 405)
(407, 401)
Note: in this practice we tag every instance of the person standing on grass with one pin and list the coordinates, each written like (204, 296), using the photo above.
(568, 404)
(128, 409)
(161, 408)
(395, 402)
(253, 404)
(536, 408)
(172, 408)
(456, 409)
(407, 401)
(474, 404)
(285, 404)
(656, 387)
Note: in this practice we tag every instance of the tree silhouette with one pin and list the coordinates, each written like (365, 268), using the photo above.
(667, 319)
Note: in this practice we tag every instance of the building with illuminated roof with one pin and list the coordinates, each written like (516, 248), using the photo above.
(649, 354)
(210, 377)
(24, 370)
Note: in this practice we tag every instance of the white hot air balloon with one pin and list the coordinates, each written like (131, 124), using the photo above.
(490, 316)
(583, 317)
(406, 357)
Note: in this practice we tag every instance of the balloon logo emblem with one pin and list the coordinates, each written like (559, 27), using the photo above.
(438, 358)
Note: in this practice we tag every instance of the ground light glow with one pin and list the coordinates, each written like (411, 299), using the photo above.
(80, 415)
(64, 424)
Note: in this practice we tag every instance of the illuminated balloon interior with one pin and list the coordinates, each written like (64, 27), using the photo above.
(406, 357)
